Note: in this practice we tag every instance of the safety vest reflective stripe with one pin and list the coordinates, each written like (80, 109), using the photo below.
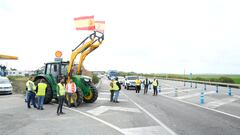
(41, 89)
(154, 83)
(115, 86)
(61, 90)
(30, 86)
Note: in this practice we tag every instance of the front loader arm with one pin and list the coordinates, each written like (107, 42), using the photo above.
(80, 49)
(88, 51)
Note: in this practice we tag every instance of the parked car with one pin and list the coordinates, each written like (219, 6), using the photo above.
(5, 86)
(130, 82)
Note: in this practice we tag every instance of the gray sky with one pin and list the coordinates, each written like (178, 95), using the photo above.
(161, 36)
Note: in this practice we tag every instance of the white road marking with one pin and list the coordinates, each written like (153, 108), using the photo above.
(101, 109)
(228, 114)
(184, 90)
(104, 93)
(107, 99)
(153, 130)
(97, 119)
(195, 95)
(152, 116)
(167, 88)
(217, 103)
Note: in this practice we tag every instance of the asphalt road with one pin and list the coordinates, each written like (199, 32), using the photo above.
(136, 114)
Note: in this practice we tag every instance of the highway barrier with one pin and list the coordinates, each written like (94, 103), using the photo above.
(230, 85)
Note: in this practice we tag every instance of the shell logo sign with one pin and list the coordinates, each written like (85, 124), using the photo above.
(58, 54)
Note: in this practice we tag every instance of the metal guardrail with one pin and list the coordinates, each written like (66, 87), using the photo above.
(205, 82)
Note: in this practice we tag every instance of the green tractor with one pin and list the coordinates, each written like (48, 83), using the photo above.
(54, 71)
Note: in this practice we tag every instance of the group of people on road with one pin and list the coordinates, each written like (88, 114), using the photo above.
(32, 91)
(146, 84)
(115, 88)
(40, 90)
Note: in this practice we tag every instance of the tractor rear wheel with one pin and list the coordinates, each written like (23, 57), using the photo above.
(92, 96)
(49, 94)
(78, 96)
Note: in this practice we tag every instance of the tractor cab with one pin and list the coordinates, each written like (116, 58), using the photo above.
(57, 70)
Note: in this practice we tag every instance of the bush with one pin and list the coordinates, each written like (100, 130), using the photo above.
(226, 80)
(95, 79)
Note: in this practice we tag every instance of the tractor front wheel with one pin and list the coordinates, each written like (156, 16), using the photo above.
(92, 96)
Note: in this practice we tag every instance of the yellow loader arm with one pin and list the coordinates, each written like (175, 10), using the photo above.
(83, 49)
(94, 46)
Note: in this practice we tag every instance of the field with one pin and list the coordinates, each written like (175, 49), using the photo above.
(236, 78)
(18, 83)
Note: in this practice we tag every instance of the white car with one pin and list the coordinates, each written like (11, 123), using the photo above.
(5, 86)
(130, 82)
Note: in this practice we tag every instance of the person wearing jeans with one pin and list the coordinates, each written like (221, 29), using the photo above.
(31, 88)
(41, 91)
(116, 88)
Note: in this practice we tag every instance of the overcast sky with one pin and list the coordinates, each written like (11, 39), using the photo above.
(149, 36)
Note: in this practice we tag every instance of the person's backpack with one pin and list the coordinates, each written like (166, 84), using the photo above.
(119, 85)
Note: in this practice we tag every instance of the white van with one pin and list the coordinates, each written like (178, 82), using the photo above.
(5, 86)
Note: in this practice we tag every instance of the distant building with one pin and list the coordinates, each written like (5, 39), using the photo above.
(19, 73)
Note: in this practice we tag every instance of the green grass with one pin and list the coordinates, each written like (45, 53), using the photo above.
(18, 83)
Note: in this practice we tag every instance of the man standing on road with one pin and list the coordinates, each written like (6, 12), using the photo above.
(146, 83)
(31, 88)
(155, 85)
(116, 88)
(41, 91)
(111, 90)
(71, 89)
(138, 85)
(61, 94)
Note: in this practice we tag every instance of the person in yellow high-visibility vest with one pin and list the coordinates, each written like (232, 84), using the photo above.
(138, 85)
(61, 91)
(41, 91)
(31, 91)
(155, 85)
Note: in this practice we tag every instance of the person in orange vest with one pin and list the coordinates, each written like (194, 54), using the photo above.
(71, 88)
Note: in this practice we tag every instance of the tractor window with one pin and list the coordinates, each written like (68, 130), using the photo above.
(54, 70)
(48, 69)
(64, 69)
